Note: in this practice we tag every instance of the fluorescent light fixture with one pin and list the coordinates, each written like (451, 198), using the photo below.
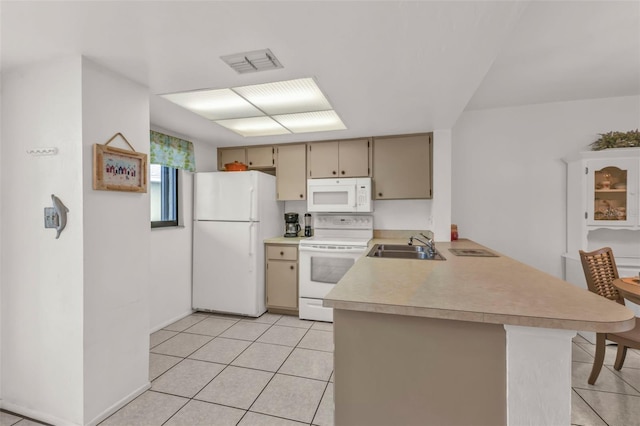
(255, 126)
(218, 104)
(293, 106)
(285, 97)
(317, 121)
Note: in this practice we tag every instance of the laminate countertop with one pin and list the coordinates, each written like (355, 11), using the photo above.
(497, 290)
(284, 240)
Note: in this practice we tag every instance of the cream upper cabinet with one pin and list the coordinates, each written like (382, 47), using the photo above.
(260, 157)
(255, 157)
(402, 167)
(230, 155)
(291, 172)
(354, 157)
(322, 159)
(348, 158)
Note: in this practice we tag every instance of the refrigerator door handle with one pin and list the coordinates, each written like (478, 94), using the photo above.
(251, 253)
(251, 212)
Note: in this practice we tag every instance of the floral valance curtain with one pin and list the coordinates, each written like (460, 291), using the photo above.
(172, 152)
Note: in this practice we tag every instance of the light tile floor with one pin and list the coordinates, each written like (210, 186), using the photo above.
(278, 370)
(615, 398)
(225, 370)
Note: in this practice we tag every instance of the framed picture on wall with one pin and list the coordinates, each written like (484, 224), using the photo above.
(116, 169)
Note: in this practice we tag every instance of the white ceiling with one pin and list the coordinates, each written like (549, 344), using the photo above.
(386, 67)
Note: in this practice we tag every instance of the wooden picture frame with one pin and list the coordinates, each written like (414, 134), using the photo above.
(116, 169)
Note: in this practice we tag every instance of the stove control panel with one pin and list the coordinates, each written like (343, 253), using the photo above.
(343, 221)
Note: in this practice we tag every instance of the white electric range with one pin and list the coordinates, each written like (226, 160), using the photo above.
(338, 241)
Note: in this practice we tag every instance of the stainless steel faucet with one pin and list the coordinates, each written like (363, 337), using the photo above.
(431, 245)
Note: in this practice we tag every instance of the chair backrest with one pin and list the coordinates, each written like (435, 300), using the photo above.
(600, 270)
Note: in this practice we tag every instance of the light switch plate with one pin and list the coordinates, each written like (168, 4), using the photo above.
(50, 217)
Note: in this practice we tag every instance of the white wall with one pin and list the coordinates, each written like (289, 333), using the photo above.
(170, 257)
(387, 214)
(403, 214)
(74, 309)
(171, 248)
(42, 277)
(206, 157)
(0, 243)
(509, 182)
(441, 209)
(116, 248)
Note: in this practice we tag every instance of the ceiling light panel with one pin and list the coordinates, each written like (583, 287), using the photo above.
(285, 97)
(256, 126)
(317, 121)
(218, 104)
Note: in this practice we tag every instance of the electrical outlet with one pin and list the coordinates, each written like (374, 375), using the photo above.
(50, 217)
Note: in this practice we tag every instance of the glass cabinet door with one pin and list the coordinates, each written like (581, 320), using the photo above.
(611, 185)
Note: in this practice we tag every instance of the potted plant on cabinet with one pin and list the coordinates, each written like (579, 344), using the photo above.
(630, 139)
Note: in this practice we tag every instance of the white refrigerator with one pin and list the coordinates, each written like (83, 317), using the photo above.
(233, 213)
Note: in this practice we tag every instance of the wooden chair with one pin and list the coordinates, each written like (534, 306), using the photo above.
(600, 270)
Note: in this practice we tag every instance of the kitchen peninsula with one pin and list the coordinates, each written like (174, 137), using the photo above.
(463, 341)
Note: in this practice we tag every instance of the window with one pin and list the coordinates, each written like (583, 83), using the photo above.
(164, 195)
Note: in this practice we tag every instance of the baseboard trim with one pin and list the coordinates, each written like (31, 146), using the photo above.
(118, 405)
(53, 420)
(34, 414)
(171, 321)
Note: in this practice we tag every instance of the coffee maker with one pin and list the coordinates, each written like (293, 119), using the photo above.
(291, 225)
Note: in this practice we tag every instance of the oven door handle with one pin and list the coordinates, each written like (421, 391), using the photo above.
(332, 250)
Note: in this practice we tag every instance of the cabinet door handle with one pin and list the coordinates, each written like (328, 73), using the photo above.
(334, 172)
(281, 253)
(379, 194)
(301, 196)
(343, 172)
(291, 267)
(250, 163)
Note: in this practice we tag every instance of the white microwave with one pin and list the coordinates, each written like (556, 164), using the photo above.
(347, 195)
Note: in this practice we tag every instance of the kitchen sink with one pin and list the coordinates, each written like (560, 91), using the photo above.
(400, 247)
(401, 251)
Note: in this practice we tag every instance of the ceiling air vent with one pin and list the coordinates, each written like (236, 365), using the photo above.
(257, 60)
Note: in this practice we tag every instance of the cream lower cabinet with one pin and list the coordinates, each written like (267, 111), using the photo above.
(291, 172)
(282, 278)
(402, 167)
